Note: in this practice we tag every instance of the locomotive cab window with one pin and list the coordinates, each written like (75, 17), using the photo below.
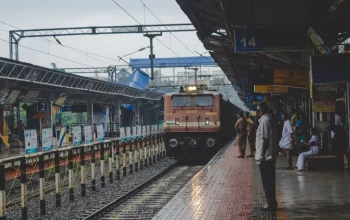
(203, 101)
(181, 101)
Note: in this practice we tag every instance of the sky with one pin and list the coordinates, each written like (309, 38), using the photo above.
(34, 14)
(37, 14)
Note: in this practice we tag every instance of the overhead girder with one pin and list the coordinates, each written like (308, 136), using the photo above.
(43, 77)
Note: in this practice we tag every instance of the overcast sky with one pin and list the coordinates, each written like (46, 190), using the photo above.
(36, 14)
(32, 14)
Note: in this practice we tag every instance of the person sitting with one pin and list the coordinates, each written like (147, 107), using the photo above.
(314, 145)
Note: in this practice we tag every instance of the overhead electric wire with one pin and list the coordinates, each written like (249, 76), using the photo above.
(39, 51)
(91, 55)
(141, 24)
(166, 27)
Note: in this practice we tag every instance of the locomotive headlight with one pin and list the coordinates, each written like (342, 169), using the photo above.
(173, 143)
(177, 121)
(207, 121)
(210, 142)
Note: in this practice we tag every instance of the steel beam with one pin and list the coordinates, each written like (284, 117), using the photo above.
(16, 35)
(23, 72)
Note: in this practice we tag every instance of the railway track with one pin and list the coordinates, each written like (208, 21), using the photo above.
(145, 201)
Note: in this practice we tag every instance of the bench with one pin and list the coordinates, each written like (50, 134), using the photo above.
(325, 162)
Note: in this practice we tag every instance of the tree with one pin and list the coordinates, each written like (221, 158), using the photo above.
(123, 75)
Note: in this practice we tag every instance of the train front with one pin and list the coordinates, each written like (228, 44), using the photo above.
(192, 123)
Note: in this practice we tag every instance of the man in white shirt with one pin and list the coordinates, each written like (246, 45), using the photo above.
(266, 152)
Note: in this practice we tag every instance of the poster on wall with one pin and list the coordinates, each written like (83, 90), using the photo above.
(61, 137)
(100, 133)
(30, 141)
(76, 136)
(88, 134)
(46, 140)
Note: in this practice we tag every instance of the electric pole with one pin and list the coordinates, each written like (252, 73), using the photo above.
(195, 73)
(152, 56)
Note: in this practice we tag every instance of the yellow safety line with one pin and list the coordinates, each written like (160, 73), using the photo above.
(281, 213)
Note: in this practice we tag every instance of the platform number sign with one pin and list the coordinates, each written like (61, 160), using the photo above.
(42, 107)
(246, 40)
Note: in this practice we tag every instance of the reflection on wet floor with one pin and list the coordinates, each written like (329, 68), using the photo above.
(314, 195)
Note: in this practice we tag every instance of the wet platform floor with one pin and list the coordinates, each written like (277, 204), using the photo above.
(230, 188)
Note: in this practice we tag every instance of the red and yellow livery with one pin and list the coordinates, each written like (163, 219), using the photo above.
(197, 123)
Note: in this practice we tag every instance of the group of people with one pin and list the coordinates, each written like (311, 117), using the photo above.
(294, 136)
(264, 136)
(245, 129)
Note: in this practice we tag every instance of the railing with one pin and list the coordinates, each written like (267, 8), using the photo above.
(66, 171)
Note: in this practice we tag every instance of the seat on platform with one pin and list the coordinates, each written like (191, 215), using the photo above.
(325, 162)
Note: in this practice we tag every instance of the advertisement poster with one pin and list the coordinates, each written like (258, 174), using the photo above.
(128, 132)
(100, 133)
(61, 137)
(161, 128)
(153, 129)
(147, 130)
(30, 141)
(122, 133)
(324, 96)
(76, 135)
(47, 139)
(88, 134)
(138, 131)
(144, 131)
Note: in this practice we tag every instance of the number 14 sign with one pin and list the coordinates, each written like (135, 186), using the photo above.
(246, 40)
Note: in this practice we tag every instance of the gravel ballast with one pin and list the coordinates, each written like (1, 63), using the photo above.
(102, 196)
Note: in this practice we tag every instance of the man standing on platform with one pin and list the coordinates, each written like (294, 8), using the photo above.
(250, 135)
(241, 127)
(266, 153)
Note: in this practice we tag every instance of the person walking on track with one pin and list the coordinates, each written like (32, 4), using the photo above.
(266, 153)
(287, 140)
(241, 127)
(250, 135)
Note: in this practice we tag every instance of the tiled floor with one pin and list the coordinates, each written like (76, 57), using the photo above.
(222, 190)
(230, 188)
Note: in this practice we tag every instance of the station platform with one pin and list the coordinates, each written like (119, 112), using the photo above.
(231, 188)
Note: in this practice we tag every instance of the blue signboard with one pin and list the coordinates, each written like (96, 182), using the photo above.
(331, 68)
(42, 107)
(246, 40)
(286, 38)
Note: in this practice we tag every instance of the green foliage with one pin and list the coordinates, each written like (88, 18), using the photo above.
(68, 118)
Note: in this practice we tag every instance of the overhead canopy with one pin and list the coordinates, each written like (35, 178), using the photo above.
(173, 62)
(216, 21)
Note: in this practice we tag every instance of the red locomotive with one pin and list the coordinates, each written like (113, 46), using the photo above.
(197, 122)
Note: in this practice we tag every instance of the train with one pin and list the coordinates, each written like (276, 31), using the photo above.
(197, 122)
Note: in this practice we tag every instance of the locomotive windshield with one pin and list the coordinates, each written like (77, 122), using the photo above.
(181, 101)
(203, 101)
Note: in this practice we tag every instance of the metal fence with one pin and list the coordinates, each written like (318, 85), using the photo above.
(64, 172)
